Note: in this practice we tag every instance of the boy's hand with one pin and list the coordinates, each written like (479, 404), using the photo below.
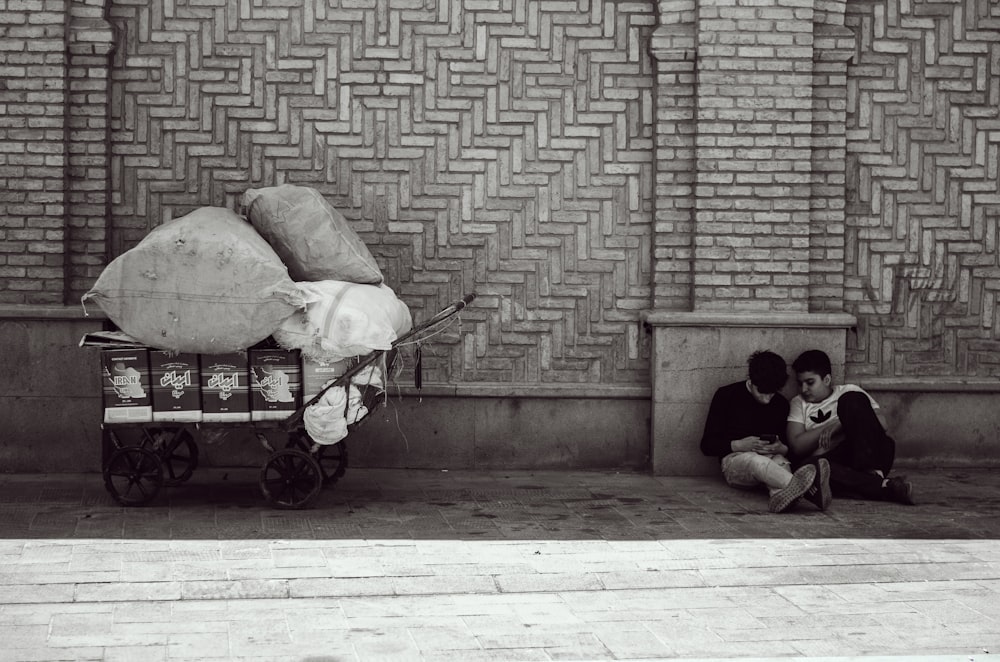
(746, 444)
(826, 442)
(772, 448)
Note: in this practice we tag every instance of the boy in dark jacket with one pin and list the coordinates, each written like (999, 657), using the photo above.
(744, 429)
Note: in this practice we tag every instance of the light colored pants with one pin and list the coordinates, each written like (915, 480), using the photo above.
(748, 470)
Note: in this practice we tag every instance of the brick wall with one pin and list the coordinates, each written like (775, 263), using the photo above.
(502, 148)
(32, 151)
(922, 272)
(510, 149)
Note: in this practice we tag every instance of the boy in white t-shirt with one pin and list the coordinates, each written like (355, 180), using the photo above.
(843, 424)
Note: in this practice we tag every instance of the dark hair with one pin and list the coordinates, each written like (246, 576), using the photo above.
(813, 360)
(767, 371)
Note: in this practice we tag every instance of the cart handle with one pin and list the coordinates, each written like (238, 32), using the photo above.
(455, 307)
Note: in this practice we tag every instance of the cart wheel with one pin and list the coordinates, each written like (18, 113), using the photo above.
(133, 475)
(177, 451)
(290, 479)
(333, 460)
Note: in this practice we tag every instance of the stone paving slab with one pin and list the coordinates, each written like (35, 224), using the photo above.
(428, 565)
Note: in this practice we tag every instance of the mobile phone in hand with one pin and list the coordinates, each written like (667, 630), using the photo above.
(770, 438)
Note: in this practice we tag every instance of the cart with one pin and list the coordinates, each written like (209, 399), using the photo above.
(138, 464)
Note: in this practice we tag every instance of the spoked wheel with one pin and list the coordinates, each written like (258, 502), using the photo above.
(290, 479)
(333, 461)
(177, 451)
(133, 475)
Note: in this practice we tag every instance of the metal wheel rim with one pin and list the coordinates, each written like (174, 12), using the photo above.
(290, 479)
(133, 475)
(178, 466)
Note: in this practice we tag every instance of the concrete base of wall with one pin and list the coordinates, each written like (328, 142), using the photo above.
(50, 405)
(935, 422)
(936, 428)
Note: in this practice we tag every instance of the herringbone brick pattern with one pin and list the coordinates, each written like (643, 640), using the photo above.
(923, 188)
(501, 147)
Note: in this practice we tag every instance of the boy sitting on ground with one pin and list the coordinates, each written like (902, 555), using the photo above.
(745, 424)
(843, 425)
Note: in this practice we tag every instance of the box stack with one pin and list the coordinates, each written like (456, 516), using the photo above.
(126, 393)
(275, 383)
(316, 374)
(176, 387)
(225, 388)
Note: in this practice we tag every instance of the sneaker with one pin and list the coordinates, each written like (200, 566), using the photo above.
(899, 490)
(802, 480)
(819, 493)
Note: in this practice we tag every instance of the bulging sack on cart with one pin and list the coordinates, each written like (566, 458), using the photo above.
(344, 320)
(314, 240)
(204, 283)
(327, 419)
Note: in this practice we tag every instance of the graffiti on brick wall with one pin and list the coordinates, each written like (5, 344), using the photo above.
(923, 188)
(504, 148)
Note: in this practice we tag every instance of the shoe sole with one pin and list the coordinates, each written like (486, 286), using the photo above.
(823, 478)
(802, 480)
(906, 498)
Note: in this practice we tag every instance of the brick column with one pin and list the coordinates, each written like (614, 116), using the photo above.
(674, 54)
(32, 158)
(90, 43)
(832, 48)
(754, 126)
(54, 167)
(754, 218)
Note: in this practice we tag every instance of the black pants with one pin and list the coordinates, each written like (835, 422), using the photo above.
(865, 447)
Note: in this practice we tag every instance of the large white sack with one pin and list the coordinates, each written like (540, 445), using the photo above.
(204, 283)
(314, 240)
(344, 320)
(326, 420)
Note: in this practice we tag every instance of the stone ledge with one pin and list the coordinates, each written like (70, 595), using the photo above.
(494, 390)
(929, 384)
(754, 320)
(29, 311)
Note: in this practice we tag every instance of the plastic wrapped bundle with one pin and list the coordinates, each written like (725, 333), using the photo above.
(313, 239)
(204, 283)
(344, 320)
(326, 421)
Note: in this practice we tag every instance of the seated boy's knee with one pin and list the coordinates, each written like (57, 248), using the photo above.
(853, 401)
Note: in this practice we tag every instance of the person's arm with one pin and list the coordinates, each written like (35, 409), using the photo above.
(777, 415)
(805, 443)
(716, 440)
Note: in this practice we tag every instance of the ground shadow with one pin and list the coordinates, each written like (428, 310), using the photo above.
(368, 504)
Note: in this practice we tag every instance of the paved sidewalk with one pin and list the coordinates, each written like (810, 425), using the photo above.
(468, 566)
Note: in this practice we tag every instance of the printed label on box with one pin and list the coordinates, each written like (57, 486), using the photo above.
(225, 388)
(125, 392)
(176, 387)
(316, 375)
(275, 383)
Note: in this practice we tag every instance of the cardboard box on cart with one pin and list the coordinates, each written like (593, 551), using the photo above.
(125, 391)
(225, 388)
(316, 374)
(176, 386)
(275, 383)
